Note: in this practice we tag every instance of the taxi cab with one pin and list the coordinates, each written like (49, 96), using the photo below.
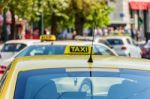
(59, 48)
(62, 47)
(53, 47)
(74, 77)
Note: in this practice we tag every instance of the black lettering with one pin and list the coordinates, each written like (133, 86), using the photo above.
(83, 49)
(79, 49)
(72, 49)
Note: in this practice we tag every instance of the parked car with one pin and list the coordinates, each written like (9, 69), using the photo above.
(124, 46)
(146, 50)
(14, 46)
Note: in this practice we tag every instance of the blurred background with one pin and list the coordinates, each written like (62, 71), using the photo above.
(28, 19)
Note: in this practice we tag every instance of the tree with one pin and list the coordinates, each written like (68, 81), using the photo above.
(65, 13)
(21, 8)
(3, 4)
(99, 14)
(89, 11)
(55, 10)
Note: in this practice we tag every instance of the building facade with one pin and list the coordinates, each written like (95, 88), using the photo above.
(134, 14)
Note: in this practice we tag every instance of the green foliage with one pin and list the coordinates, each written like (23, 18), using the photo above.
(92, 11)
(3, 4)
(22, 8)
(64, 10)
(57, 7)
(99, 14)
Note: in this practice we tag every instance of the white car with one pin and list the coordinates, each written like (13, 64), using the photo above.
(124, 46)
(14, 46)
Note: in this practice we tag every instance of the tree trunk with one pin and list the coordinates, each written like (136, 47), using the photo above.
(54, 25)
(13, 34)
(4, 33)
(79, 22)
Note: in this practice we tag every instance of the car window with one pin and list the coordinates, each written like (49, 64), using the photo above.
(13, 47)
(96, 51)
(115, 41)
(80, 84)
(147, 44)
(103, 50)
(105, 42)
(42, 50)
(58, 50)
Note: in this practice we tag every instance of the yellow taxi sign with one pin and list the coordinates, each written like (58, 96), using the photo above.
(77, 50)
(47, 37)
(119, 34)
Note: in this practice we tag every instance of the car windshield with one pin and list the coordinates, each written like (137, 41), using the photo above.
(147, 44)
(58, 50)
(115, 41)
(42, 50)
(79, 83)
(13, 47)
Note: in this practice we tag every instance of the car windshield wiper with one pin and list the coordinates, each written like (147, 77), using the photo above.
(137, 93)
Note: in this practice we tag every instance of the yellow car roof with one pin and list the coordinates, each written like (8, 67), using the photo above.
(69, 62)
(73, 61)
